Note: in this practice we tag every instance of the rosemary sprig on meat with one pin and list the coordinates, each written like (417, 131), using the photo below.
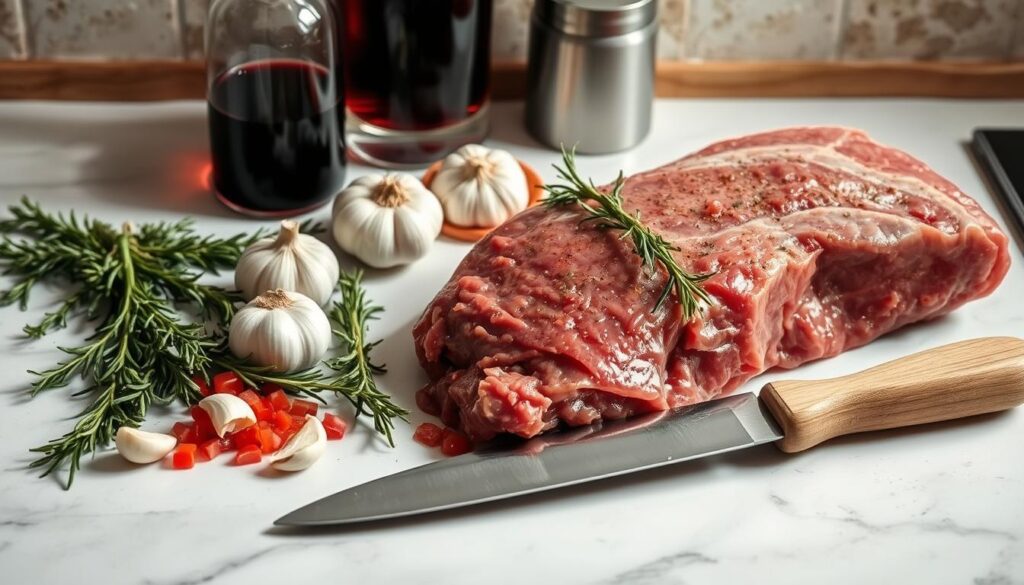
(606, 209)
(136, 283)
(349, 374)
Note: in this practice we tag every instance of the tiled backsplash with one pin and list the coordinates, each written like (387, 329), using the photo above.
(690, 29)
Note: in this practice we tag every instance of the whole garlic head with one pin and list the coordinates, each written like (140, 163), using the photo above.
(386, 220)
(480, 187)
(303, 448)
(289, 261)
(142, 446)
(282, 330)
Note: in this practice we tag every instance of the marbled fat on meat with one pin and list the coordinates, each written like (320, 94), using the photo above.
(819, 239)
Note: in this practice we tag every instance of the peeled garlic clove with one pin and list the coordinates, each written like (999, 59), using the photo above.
(303, 448)
(142, 446)
(228, 413)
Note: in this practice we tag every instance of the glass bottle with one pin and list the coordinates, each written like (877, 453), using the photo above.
(276, 107)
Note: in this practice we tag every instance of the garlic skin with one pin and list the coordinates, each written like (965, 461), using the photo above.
(303, 448)
(282, 330)
(228, 413)
(480, 187)
(289, 261)
(142, 446)
(386, 220)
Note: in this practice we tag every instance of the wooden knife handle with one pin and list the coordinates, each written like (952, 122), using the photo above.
(953, 381)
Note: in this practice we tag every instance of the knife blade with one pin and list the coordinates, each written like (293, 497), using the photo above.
(988, 374)
(549, 462)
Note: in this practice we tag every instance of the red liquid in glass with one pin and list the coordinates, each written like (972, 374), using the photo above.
(416, 64)
(276, 136)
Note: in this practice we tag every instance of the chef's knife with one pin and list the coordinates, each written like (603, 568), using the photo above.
(953, 381)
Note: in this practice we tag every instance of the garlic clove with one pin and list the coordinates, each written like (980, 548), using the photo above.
(303, 448)
(228, 413)
(143, 446)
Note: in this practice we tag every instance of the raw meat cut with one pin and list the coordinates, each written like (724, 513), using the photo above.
(820, 240)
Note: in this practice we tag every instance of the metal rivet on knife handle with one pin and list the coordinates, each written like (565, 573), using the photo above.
(962, 379)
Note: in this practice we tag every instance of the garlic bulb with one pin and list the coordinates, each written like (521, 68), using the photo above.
(480, 187)
(282, 330)
(386, 220)
(289, 261)
(142, 446)
(228, 413)
(303, 448)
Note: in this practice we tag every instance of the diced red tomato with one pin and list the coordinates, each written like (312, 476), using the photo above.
(203, 427)
(285, 435)
(247, 436)
(282, 421)
(334, 426)
(260, 408)
(454, 443)
(204, 388)
(210, 449)
(269, 441)
(428, 434)
(227, 443)
(227, 383)
(184, 456)
(180, 429)
(248, 455)
(268, 408)
(269, 388)
(303, 407)
(278, 399)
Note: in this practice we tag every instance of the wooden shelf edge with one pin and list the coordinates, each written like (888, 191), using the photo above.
(171, 80)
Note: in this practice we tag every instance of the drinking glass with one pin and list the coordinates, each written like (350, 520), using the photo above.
(416, 77)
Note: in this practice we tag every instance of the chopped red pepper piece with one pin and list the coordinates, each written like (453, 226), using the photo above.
(279, 399)
(227, 383)
(260, 408)
(227, 443)
(334, 426)
(428, 434)
(247, 455)
(282, 421)
(210, 449)
(269, 441)
(184, 456)
(455, 443)
(180, 429)
(303, 407)
(204, 388)
(247, 436)
(203, 427)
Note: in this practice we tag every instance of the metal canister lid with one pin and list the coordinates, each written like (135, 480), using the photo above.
(596, 18)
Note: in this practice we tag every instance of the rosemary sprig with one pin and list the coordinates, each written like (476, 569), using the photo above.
(349, 374)
(354, 370)
(606, 209)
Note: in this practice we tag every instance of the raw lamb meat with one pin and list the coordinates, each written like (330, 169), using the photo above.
(820, 240)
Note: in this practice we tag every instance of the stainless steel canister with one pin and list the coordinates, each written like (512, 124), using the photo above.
(590, 79)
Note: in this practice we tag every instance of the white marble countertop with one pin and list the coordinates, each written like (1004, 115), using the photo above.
(939, 504)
